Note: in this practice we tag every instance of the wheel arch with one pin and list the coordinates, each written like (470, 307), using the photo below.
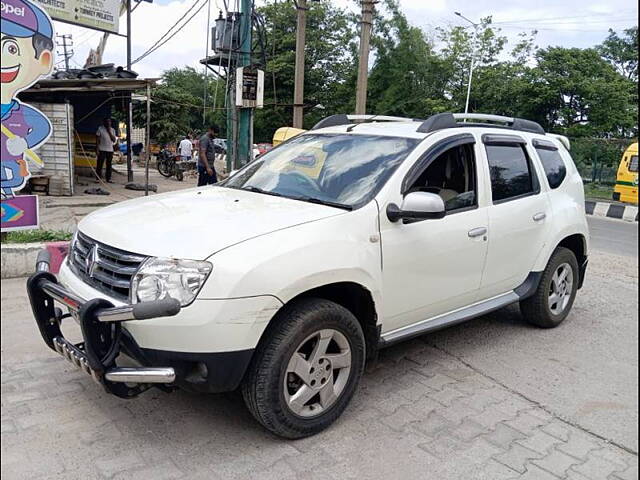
(577, 243)
(353, 296)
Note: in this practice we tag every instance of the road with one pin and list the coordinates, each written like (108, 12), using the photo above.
(491, 399)
(614, 236)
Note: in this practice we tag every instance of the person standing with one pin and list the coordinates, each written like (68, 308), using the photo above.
(105, 141)
(206, 157)
(185, 149)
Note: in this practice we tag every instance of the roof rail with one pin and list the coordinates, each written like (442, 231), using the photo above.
(450, 120)
(342, 119)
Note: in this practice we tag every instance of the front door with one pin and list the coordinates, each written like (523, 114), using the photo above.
(431, 267)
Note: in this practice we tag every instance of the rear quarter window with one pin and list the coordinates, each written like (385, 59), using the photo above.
(633, 164)
(554, 166)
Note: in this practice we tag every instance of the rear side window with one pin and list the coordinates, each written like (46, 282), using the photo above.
(511, 172)
(633, 164)
(553, 165)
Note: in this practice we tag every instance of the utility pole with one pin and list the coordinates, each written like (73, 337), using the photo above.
(473, 56)
(67, 52)
(363, 66)
(130, 105)
(245, 115)
(298, 92)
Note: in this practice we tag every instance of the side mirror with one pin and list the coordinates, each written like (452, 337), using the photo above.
(417, 206)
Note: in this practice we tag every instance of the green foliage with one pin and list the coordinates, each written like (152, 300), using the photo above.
(577, 92)
(177, 105)
(330, 65)
(32, 236)
(622, 52)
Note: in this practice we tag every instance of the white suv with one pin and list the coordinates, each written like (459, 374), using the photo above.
(283, 279)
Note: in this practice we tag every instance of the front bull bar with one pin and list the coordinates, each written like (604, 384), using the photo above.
(100, 323)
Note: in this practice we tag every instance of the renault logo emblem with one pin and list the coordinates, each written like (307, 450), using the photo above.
(91, 261)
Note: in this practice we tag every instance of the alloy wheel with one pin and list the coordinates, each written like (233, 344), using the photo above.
(561, 289)
(317, 373)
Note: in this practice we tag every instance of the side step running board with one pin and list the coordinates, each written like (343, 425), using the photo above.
(448, 319)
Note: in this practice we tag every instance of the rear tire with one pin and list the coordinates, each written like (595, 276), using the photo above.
(556, 292)
(305, 369)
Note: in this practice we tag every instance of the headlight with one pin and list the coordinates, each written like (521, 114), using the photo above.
(159, 278)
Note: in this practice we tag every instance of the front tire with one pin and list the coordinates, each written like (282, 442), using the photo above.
(556, 292)
(306, 368)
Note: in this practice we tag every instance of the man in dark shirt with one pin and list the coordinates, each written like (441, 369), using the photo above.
(207, 150)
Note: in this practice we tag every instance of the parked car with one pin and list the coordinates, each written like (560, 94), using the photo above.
(263, 148)
(346, 239)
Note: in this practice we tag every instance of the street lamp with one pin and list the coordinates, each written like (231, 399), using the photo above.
(473, 56)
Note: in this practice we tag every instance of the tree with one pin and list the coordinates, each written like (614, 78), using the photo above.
(329, 64)
(622, 52)
(407, 78)
(583, 94)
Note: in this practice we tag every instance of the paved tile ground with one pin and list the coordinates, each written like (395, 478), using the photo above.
(420, 413)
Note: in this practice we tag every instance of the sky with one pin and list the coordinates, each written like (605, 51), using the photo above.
(567, 23)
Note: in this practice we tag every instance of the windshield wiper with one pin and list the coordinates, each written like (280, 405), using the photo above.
(328, 203)
(260, 190)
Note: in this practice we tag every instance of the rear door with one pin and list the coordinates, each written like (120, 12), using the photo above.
(519, 215)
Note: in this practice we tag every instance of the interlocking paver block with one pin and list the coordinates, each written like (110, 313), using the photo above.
(110, 465)
(444, 446)
(445, 396)
(615, 455)
(526, 423)
(540, 442)
(399, 419)
(517, 457)
(579, 444)
(490, 417)
(556, 462)
(536, 473)
(390, 403)
(558, 429)
(503, 436)
(423, 407)
(513, 405)
(433, 424)
(468, 430)
(435, 381)
(596, 468)
(630, 473)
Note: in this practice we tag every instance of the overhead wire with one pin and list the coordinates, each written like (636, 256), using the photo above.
(168, 35)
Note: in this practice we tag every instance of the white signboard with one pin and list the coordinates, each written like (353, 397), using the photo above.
(97, 14)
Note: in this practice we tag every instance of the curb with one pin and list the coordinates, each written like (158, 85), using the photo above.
(628, 213)
(19, 259)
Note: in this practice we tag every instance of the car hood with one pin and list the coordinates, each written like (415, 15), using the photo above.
(196, 223)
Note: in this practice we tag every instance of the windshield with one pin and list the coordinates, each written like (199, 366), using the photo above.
(339, 169)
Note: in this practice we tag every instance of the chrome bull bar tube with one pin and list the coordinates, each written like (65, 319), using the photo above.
(44, 289)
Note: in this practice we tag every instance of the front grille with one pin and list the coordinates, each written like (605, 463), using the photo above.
(107, 269)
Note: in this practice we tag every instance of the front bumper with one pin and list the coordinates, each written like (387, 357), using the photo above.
(106, 344)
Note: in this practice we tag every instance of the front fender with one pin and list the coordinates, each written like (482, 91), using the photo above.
(284, 264)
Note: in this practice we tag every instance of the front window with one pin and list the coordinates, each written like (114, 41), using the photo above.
(336, 169)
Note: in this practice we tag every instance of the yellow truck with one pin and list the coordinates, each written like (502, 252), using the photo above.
(626, 189)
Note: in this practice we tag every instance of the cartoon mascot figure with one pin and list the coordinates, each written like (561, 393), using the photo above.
(26, 35)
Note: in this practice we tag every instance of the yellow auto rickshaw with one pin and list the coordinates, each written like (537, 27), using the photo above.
(285, 133)
(626, 189)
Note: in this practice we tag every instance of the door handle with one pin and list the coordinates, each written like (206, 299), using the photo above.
(538, 217)
(477, 232)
